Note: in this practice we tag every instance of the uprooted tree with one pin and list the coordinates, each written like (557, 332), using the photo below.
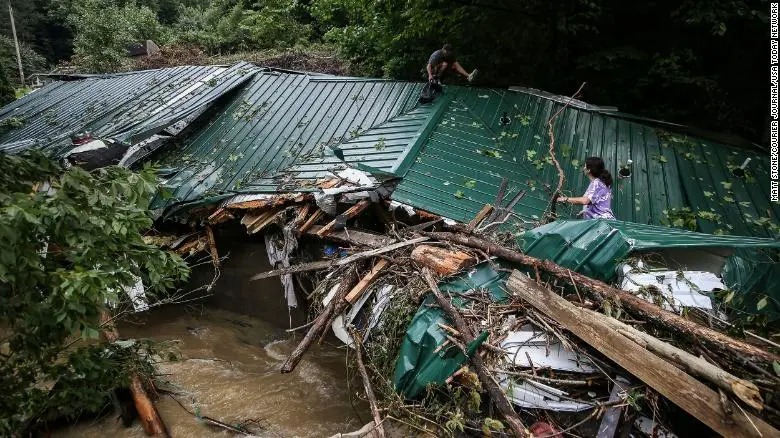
(71, 247)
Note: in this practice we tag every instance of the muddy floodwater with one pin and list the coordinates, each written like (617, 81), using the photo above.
(229, 367)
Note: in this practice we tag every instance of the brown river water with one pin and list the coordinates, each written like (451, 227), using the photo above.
(231, 348)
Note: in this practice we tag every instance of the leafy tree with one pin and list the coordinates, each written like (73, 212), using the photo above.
(71, 244)
(6, 90)
(32, 61)
(232, 26)
(103, 31)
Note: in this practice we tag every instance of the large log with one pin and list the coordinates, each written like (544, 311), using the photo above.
(334, 307)
(150, 418)
(443, 261)
(683, 390)
(496, 394)
(743, 389)
(693, 331)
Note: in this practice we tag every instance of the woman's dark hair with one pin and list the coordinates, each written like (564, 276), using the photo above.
(596, 167)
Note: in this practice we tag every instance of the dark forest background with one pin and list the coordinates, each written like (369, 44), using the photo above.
(699, 62)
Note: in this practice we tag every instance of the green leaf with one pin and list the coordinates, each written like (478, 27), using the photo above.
(726, 185)
(776, 367)
(709, 194)
(459, 194)
(729, 297)
(761, 303)
(470, 183)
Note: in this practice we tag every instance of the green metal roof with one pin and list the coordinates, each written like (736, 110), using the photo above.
(126, 107)
(596, 247)
(280, 132)
(459, 167)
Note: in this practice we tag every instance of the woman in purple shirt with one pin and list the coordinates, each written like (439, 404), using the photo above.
(598, 197)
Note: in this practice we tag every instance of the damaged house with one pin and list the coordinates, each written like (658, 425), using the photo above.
(453, 265)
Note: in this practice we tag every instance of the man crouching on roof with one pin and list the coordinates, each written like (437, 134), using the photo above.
(442, 61)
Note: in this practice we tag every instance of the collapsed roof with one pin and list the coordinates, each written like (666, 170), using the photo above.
(260, 131)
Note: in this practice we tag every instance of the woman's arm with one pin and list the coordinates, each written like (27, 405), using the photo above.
(582, 200)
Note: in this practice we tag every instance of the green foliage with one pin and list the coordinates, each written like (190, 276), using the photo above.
(236, 25)
(32, 61)
(7, 93)
(103, 31)
(71, 243)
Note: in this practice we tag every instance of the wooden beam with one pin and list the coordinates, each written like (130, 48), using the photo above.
(365, 282)
(683, 390)
(350, 213)
(313, 219)
(355, 237)
(212, 244)
(712, 338)
(486, 210)
(327, 264)
(334, 307)
(743, 389)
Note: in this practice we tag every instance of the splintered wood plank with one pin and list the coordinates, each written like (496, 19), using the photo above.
(365, 282)
(349, 214)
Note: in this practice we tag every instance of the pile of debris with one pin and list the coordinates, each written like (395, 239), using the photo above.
(453, 332)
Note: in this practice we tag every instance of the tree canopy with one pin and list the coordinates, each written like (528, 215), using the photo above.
(691, 61)
(71, 244)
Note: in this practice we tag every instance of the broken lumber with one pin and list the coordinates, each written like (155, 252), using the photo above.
(365, 282)
(367, 383)
(326, 264)
(496, 393)
(334, 307)
(354, 237)
(486, 210)
(219, 216)
(696, 332)
(147, 412)
(319, 214)
(743, 389)
(683, 390)
(256, 223)
(442, 260)
(212, 244)
(348, 214)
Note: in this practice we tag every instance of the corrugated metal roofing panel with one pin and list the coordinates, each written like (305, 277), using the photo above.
(595, 247)
(460, 166)
(128, 107)
(279, 132)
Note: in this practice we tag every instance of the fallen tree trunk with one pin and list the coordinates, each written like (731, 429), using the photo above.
(367, 384)
(691, 329)
(496, 394)
(323, 321)
(147, 412)
(683, 390)
(443, 261)
(326, 264)
(743, 389)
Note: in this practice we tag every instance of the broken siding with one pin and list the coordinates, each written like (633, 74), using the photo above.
(278, 135)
